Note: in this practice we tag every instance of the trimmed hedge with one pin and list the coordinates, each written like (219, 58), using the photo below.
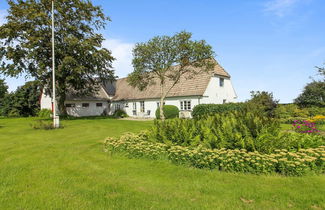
(211, 109)
(170, 111)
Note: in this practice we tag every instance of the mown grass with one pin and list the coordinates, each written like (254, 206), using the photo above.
(67, 169)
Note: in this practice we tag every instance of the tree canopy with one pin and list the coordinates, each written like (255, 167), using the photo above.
(22, 102)
(80, 59)
(156, 60)
(313, 93)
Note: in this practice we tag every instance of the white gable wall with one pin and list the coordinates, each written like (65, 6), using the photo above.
(214, 94)
(46, 102)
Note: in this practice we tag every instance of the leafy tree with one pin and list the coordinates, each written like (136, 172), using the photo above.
(23, 102)
(155, 62)
(3, 89)
(312, 95)
(80, 59)
(263, 101)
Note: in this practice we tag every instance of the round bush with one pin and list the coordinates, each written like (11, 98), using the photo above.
(170, 111)
(120, 114)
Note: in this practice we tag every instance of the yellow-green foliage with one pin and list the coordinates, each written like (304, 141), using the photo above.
(237, 160)
(230, 130)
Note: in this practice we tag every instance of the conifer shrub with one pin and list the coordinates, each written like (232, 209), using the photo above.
(170, 112)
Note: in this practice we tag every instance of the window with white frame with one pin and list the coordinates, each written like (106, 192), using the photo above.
(117, 107)
(142, 108)
(158, 104)
(99, 104)
(186, 105)
(126, 104)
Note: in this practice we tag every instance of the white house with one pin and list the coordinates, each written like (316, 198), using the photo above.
(206, 88)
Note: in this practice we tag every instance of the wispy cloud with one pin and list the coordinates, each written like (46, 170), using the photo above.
(3, 14)
(122, 52)
(281, 8)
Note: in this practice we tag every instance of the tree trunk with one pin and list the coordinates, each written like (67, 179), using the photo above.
(61, 106)
(162, 115)
(162, 97)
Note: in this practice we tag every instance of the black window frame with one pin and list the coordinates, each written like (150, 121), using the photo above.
(85, 105)
(221, 82)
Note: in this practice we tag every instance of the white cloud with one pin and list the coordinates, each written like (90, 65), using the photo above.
(3, 14)
(280, 7)
(122, 52)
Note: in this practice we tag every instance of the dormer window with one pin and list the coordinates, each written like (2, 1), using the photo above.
(221, 82)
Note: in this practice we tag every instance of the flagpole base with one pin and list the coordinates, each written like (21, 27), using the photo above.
(56, 122)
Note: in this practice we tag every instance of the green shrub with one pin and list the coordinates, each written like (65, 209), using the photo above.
(45, 113)
(281, 161)
(14, 113)
(42, 124)
(230, 130)
(211, 109)
(120, 114)
(170, 112)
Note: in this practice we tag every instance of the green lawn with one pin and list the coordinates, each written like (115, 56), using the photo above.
(67, 169)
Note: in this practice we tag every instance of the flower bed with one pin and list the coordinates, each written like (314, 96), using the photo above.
(237, 160)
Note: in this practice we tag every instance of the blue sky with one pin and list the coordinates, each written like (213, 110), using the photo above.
(271, 45)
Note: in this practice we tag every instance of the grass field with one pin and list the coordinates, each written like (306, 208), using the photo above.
(67, 169)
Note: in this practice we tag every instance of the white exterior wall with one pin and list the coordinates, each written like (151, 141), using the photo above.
(78, 110)
(151, 104)
(92, 110)
(46, 102)
(214, 94)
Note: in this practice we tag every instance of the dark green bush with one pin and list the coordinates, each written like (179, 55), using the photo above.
(211, 109)
(170, 112)
(120, 114)
(45, 113)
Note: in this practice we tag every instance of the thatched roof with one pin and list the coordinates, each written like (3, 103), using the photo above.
(121, 90)
(195, 86)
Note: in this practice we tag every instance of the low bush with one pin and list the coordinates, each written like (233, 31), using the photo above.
(45, 113)
(120, 114)
(238, 160)
(42, 124)
(170, 112)
(211, 109)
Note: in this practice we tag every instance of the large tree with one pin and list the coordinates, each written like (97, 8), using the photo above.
(312, 95)
(165, 59)
(314, 92)
(80, 59)
(22, 102)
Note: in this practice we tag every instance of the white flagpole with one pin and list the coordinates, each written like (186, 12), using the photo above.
(55, 118)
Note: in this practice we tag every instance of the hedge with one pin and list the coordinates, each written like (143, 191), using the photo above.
(211, 109)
